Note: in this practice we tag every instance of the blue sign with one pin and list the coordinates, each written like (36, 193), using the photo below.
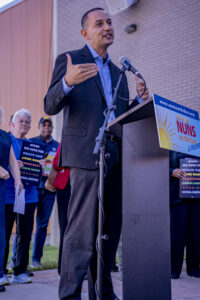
(31, 154)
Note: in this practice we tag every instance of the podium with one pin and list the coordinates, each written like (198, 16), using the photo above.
(146, 220)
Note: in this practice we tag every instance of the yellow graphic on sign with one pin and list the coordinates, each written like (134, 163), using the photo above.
(166, 132)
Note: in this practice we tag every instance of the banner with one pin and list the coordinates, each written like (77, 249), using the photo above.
(48, 163)
(178, 126)
(189, 186)
(31, 154)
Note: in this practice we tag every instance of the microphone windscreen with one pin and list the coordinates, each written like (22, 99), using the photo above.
(122, 59)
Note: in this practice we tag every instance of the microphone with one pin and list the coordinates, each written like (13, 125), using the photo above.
(127, 65)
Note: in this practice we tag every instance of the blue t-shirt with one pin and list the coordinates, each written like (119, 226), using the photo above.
(31, 195)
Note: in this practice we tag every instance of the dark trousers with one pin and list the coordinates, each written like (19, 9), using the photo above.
(45, 204)
(185, 232)
(10, 218)
(24, 232)
(63, 197)
(2, 225)
(79, 253)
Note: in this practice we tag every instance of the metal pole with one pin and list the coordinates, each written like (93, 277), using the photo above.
(100, 224)
(100, 148)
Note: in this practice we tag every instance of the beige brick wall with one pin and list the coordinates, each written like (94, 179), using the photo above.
(165, 47)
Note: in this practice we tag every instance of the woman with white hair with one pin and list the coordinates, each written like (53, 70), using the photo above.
(21, 123)
(7, 158)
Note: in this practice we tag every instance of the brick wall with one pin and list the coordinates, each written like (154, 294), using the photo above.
(165, 47)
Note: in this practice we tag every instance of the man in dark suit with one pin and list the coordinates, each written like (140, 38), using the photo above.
(82, 85)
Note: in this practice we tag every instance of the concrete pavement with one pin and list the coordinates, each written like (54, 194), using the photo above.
(45, 287)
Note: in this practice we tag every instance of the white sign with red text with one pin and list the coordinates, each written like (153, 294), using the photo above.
(178, 126)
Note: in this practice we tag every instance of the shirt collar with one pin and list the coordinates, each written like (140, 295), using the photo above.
(96, 55)
(43, 139)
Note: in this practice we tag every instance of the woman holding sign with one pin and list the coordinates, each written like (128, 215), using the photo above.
(185, 215)
(7, 158)
(21, 125)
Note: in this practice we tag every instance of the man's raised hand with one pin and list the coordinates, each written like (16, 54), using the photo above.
(140, 88)
(76, 74)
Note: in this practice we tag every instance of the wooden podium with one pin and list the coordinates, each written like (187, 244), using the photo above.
(146, 220)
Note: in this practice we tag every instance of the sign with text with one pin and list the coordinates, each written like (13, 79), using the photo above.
(31, 154)
(48, 163)
(189, 186)
(178, 126)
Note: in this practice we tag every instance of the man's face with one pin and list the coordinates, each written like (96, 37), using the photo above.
(21, 125)
(98, 29)
(45, 129)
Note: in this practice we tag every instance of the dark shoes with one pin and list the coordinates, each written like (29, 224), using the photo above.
(114, 268)
(29, 273)
(2, 288)
(194, 273)
(175, 276)
(114, 298)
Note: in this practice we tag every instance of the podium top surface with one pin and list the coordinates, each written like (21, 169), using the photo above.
(141, 111)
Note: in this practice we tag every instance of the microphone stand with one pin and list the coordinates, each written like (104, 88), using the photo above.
(100, 148)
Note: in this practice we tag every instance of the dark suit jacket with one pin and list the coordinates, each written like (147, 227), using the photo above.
(82, 109)
(174, 163)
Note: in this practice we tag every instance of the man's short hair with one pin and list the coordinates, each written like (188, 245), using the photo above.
(85, 16)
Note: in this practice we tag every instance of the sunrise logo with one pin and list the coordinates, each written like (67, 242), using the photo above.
(166, 132)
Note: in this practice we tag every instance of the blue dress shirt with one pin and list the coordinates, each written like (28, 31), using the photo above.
(104, 72)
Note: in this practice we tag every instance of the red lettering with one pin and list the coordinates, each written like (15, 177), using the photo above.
(180, 126)
(186, 128)
(190, 130)
(193, 131)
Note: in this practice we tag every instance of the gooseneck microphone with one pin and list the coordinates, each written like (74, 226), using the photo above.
(127, 65)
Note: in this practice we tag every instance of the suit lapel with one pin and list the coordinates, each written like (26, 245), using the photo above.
(88, 58)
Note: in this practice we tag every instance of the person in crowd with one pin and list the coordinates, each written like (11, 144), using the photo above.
(7, 159)
(82, 85)
(24, 223)
(46, 198)
(185, 223)
(59, 179)
(11, 264)
(10, 124)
